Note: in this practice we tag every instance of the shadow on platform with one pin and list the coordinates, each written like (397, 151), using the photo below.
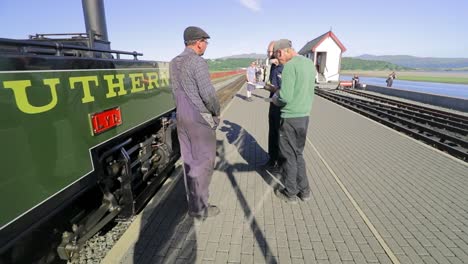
(249, 149)
(243, 97)
(259, 96)
(170, 235)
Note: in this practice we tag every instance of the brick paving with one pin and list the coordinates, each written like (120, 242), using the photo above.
(415, 197)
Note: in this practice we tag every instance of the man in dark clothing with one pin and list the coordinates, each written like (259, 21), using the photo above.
(355, 81)
(198, 113)
(274, 112)
(390, 79)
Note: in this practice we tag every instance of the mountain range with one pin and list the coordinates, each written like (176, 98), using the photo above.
(365, 61)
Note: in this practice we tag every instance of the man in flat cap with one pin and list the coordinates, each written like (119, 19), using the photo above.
(296, 94)
(198, 113)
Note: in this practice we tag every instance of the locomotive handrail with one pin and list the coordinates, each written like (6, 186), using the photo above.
(43, 35)
(59, 47)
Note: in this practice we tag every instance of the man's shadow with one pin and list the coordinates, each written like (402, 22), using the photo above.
(243, 97)
(259, 96)
(249, 149)
(169, 235)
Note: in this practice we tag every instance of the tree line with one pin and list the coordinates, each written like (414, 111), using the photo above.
(346, 64)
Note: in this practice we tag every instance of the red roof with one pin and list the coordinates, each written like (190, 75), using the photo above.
(333, 36)
(313, 44)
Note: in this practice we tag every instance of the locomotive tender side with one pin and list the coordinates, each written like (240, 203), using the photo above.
(85, 137)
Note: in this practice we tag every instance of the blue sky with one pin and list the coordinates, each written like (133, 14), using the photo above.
(401, 27)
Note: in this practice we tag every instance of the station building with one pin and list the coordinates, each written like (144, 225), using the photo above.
(325, 51)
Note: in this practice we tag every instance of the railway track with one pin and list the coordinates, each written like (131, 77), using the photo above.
(443, 130)
(226, 93)
(97, 247)
(426, 110)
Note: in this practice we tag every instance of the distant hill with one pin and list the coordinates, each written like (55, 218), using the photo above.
(229, 64)
(244, 56)
(348, 63)
(365, 62)
(419, 62)
(234, 62)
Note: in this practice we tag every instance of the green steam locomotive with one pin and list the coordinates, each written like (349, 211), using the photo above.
(86, 137)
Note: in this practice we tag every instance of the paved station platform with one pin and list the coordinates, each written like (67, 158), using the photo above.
(378, 197)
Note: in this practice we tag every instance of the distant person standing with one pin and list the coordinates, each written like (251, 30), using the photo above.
(390, 79)
(258, 73)
(296, 94)
(198, 113)
(251, 77)
(355, 81)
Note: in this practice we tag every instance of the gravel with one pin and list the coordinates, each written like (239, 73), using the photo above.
(96, 248)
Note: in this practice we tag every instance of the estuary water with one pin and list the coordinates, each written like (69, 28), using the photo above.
(452, 90)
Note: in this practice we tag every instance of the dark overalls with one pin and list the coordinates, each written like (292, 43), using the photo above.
(190, 82)
(198, 148)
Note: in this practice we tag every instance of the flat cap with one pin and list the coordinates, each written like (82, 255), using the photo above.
(282, 44)
(194, 33)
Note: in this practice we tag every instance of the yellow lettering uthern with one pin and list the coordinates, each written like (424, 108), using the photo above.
(164, 78)
(84, 80)
(21, 97)
(153, 80)
(112, 85)
(137, 82)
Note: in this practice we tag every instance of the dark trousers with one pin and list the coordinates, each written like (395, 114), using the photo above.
(389, 82)
(274, 118)
(292, 139)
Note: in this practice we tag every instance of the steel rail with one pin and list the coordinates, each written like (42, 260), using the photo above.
(421, 118)
(406, 127)
(227, 92)
(451, 116)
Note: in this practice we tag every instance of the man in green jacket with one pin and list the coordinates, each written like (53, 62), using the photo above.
(296, 96)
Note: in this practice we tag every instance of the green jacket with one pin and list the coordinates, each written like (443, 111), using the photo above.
(297, 87)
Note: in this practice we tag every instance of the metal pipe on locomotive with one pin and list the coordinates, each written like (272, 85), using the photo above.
(86, 137)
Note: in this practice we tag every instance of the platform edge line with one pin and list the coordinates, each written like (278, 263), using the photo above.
(369, 224)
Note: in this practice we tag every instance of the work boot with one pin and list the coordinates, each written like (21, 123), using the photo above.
(268, 164)
(274, 170)
(281, 194)
(304, 196)
(210, 211)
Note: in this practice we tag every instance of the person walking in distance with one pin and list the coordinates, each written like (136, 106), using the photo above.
(198, 112)
(390, 79)
(250, 75)
(296, 94)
